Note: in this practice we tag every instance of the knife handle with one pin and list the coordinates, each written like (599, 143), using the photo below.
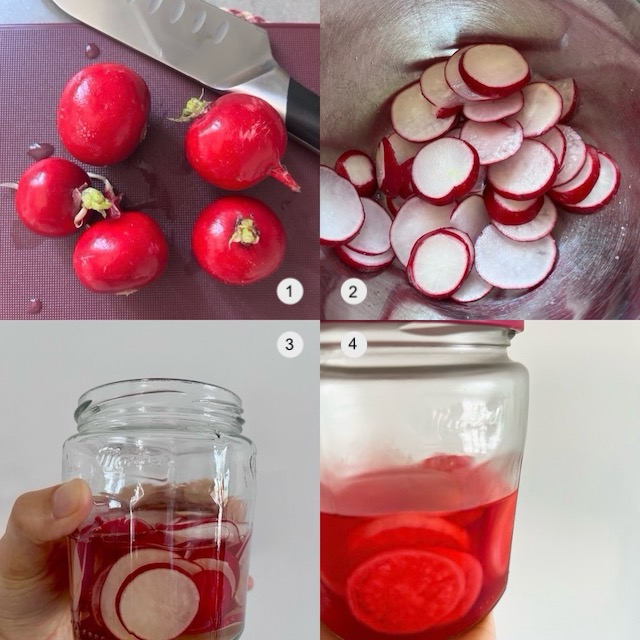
(303, 115)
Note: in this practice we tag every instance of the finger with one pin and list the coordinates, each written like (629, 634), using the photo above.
(38, 519)
(484, 630)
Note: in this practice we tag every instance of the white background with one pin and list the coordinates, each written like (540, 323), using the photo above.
(45, 366)
(575, 569)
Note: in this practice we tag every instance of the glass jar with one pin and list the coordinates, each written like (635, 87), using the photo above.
(164, 553)
(421, 445)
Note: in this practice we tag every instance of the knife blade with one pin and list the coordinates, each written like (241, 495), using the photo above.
(218, 50)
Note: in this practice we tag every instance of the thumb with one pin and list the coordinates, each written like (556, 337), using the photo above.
(37, 521)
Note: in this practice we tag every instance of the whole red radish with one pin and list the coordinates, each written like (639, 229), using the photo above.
(120, 255)
(236, 142)
(238, 240)
(50, 195)
(102, 113)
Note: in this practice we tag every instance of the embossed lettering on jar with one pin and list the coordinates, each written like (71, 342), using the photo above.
(164, 553)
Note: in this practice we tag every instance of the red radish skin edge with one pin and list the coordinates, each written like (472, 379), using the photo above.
(358, 168)
(236, 142)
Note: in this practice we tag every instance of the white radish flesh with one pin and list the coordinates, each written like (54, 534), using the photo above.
(357, 167)
(556, 142)
(435, 89)
(471, 216)
(116, 577)
(438, 263)
(455, 81)
(158, 603)
(341, 212)
(525, 175)
(212, 564)
(510, 264)
(472, 288)
(603, 190)
(541, 110)
(575, 155)
(364, 263)
(494, 141)
(403, 150)
(494, 70)
(373, 237)
(414, 117)
(444, 170)
(577, 189)
(468, 241)
(493, 110)
(542, 225)
(414, 219)
(568, 90)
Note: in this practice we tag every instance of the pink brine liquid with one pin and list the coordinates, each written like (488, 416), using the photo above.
(421, 554)
(146, 578)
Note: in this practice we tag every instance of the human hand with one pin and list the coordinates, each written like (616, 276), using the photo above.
(34, 572)
(484, 630)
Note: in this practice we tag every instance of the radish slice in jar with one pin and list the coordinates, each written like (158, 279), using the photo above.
(157, 603)
(117, 576)
(211, 564)
(473, 575)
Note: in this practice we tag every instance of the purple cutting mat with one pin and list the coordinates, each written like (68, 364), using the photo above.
(36, 272)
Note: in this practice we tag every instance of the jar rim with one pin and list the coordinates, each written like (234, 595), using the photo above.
(194, 396)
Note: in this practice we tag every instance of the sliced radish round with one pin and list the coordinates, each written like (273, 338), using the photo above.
(455, 81)
(541, 110)
(575, 155)
(510, 212)
(438, 263)
(494, 141)
(216, 598)
(471, 216)
(377, 591)
(494, 70)
(117, 576)
(392, 205)
(467, 240)
(555, 140)
(445, 169)
(473, 288)
(373, 237)
(568, 90)
(436, 90)
(579, 188)
(414, 117)
(510, 264)
(211, 531)
(481, 181)
(540, 226)
(494, 110)
(158, 603)
(341, 212)
(603, 190)
(414, 219)
(525, 175)
(365, 263)
(357, 167)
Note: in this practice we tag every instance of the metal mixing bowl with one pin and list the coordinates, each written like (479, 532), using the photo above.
(371, 48)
